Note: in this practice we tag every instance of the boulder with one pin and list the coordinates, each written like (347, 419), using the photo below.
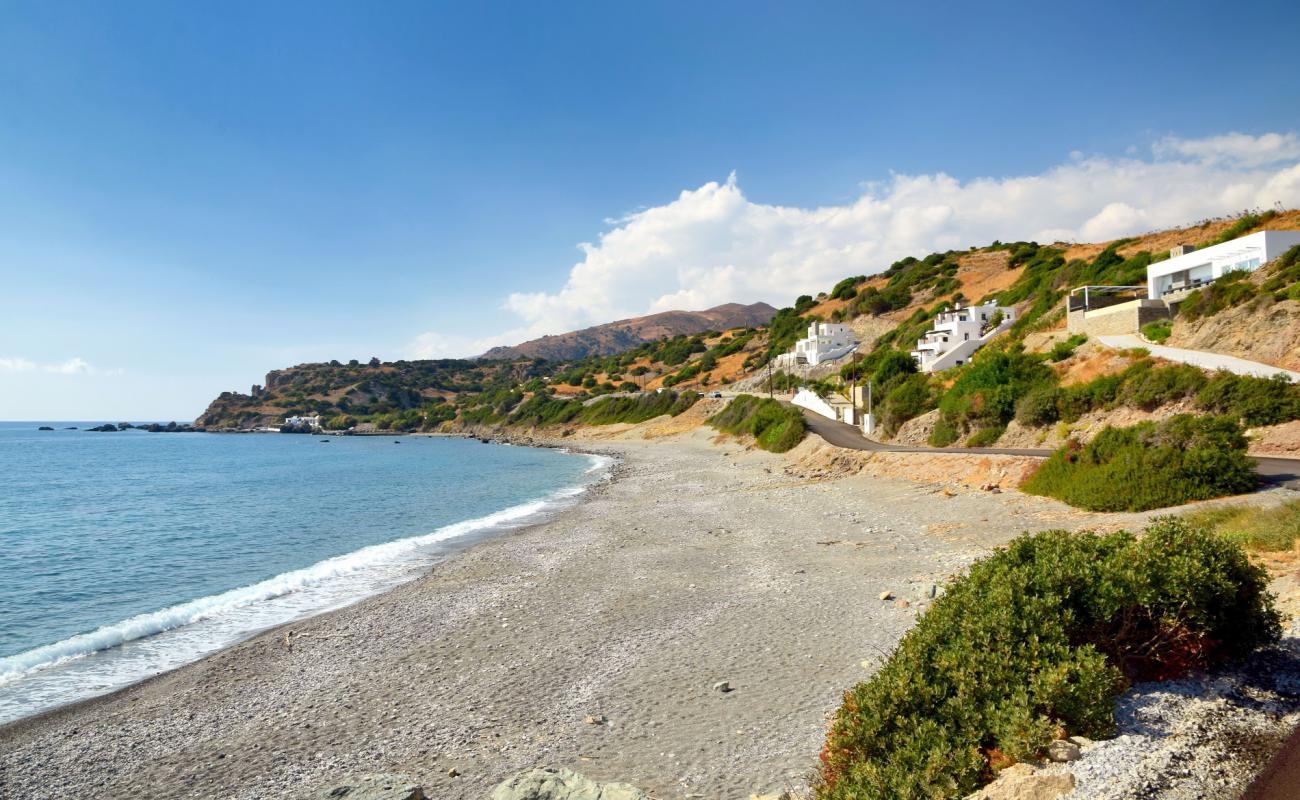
(548, 783)
(378, 786)
(1023, 782)
(1063, 751)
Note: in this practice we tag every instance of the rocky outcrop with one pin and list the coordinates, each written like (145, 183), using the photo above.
(1023, 782)
(1262, 330)
(563, 784)
(379, 786)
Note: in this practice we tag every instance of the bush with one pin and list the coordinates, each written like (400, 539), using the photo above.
(1037, 638)
(1254, 401)
(1148, 387)
(985, 437)
(906, 397)
(1158, 331)
(1063, 350)
(774, 426)
(944, 433)
(1233, 289)
(1149, 465)
(1039, 406)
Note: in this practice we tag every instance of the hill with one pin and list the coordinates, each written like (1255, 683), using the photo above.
(616, 337)
(728, 346)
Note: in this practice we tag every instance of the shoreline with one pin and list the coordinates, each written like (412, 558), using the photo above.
(486, 526)
(700, 560)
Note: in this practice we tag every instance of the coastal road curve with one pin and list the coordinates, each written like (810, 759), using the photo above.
(1275, 471)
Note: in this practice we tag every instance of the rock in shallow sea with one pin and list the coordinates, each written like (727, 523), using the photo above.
(374, 787)
(562, 784)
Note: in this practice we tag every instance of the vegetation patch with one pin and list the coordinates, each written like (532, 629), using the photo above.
(1158, 331)
(775, 426)
(1269, 530)
(1149, 465)
(1039, 640)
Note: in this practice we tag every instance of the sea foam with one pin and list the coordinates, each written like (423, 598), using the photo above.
(349, 577)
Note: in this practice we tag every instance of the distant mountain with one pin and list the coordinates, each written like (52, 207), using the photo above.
(616, 337)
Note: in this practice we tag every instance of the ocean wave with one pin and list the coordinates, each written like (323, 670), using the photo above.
(349, 565)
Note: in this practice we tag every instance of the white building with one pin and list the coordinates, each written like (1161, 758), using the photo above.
(312, 422)
(826, 341)
(1188, 269)
(959, 333)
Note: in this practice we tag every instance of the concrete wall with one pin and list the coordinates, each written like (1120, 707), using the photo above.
(809, 400)
(1117, 319)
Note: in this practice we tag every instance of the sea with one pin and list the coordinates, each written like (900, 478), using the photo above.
(123, 555)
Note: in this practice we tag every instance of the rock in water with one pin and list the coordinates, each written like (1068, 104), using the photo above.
(378, 786)
(548, 783)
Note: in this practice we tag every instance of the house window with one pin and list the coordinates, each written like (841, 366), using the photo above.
(965, 337)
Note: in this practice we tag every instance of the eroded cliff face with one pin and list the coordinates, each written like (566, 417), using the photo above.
(1263, 330)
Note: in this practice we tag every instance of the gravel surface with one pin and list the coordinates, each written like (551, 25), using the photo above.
(592, 642)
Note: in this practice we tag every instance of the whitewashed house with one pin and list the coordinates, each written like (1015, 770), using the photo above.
(1188, 269)
(310, 423)
(826, 341)
(958, 333)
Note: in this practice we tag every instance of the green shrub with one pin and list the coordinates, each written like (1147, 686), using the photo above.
(905, 397)
(1149, 465)
(775, 426)
(1039, 637)
(1148, 387)
(945, 433)
(1233, 289)
(1158, 331)
(1063, 350)
(1039, 406)
(986, 437)
(1254, 401)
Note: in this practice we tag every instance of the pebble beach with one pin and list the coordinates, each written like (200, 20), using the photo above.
(596, 641)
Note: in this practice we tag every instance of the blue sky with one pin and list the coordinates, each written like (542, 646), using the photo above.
(193, 194)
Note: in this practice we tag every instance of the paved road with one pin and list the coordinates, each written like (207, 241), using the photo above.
(1277, 471)
(1198, 358)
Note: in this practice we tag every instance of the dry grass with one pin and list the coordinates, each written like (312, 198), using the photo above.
(1264, 530)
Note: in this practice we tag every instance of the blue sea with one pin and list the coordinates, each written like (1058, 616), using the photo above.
(126, 554)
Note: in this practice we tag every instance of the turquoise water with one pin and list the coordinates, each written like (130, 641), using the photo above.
(126, 554)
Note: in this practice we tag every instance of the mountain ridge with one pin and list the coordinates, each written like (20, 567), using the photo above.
(611, 338)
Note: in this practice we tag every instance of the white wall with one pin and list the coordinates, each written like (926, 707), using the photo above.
(809, 400)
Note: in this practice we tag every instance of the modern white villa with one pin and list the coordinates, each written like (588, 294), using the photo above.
(1188, 269)
(826, 341)
(959, 333)
(312, 422)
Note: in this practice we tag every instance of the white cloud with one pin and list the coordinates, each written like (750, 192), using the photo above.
(713, 245)
(16, 365)
(1239, 149)
(73, 366)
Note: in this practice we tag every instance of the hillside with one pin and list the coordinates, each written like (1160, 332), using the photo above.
(728, 345)
(616, 337)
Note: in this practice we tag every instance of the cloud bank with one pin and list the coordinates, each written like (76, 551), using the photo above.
(73, 366)
(713, 245)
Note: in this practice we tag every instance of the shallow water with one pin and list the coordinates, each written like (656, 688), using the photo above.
(126, 554)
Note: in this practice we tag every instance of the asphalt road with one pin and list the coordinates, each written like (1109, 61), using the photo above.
(1274, 471)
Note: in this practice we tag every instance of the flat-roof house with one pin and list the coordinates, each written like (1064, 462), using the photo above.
(959, 333)
(1188, 269)
(826, 341)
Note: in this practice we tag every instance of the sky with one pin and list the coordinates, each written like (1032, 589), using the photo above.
(194, 194)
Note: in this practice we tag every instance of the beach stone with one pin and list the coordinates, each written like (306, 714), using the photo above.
(548, 783)
(377, 786)
(1063, 751)
(1023, 782)
(901, 603)
(722, 686)
(886, 595)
